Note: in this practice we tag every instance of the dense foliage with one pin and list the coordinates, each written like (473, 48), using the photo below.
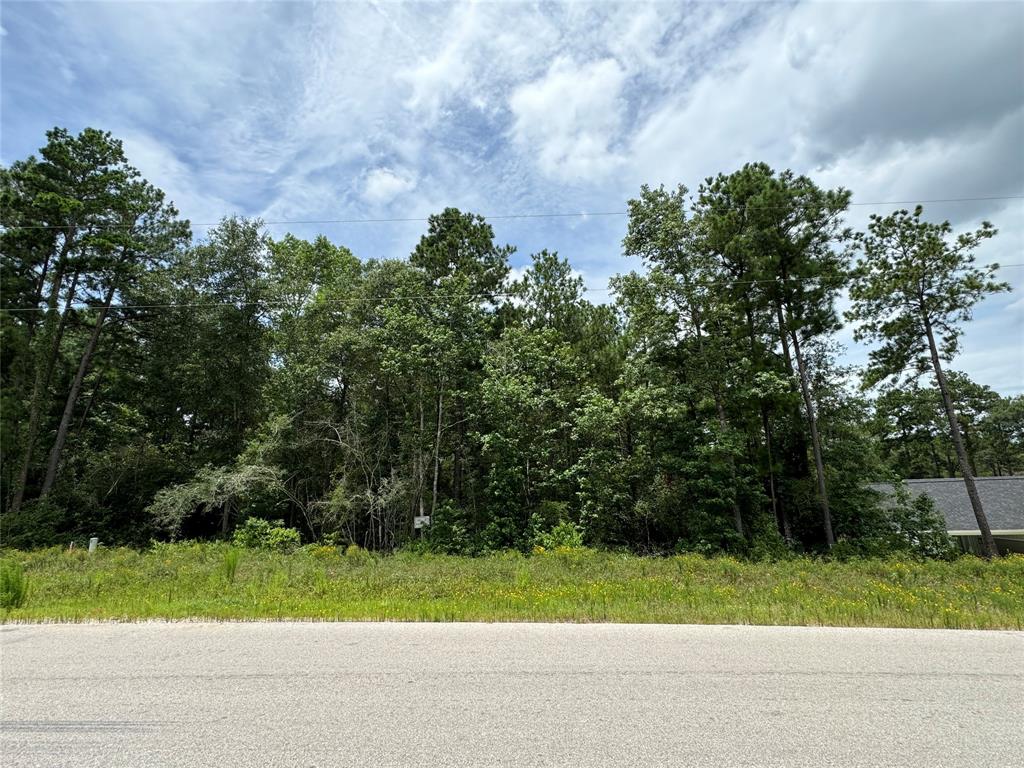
(159, 386)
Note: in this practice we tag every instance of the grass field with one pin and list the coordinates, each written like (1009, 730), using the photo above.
(215, 581)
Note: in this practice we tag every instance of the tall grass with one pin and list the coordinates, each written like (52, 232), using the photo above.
(13, 585)
(195, 581)
(229, 565)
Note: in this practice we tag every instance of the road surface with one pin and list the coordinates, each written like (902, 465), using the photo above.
(306, 694)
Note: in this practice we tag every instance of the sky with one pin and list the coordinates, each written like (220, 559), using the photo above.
(296, 111)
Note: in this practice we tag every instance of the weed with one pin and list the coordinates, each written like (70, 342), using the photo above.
(229, 564)
(187, 580)
(356, 554)
(13, 585)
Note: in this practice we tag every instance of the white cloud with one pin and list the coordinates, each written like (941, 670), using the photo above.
(382, 185)
(570, 118)
(471, 55)
(159, 165)
(433, 80)
(503, 108)
(895, 96)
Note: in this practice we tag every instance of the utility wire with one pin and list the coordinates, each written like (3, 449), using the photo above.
(504, 216)
(414, 297)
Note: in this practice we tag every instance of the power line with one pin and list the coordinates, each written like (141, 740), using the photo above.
(506, 216)
(415, 297)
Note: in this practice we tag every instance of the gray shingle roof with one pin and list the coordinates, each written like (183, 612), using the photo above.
(1002, 498)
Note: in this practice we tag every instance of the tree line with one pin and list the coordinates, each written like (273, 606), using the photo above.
(155, 385)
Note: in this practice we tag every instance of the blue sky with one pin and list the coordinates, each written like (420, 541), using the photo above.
(296, 110)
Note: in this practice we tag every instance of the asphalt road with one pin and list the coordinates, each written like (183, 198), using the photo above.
(302, 694)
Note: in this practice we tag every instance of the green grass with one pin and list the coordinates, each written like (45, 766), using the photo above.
(13, 585)
(207, 581)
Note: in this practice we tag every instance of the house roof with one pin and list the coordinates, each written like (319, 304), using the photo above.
(1002, 498)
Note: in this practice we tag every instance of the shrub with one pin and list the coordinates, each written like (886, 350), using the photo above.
(449, 532)
(357, 554)
(13, 585)
(36, 524)
(212, 489)
(564, 535)
(321, 551)
(844, 551)
(901, 524)
(257, 533)
(769, 547)
(332, 539)
(918, 527)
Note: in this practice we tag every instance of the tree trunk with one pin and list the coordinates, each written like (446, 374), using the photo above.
(777, 503)
(988, 543)
(37, 296)
(76, 388)
(737, 514)
(950, 464)
(437, 450)
(420, 461)
(44, 370)
(969, 448)
(781, 518)
(935, 458)
(97, 387)
(812, 423)
(783, 338)
(458, 468)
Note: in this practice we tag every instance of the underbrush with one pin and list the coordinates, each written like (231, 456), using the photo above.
(212, 581)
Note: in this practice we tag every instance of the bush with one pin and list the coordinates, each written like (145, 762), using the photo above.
(13, 585)
(902, 524)
(769, 547)
(918, 527)
(357, 554)
(321, 551)
(564, 535)
(257, 533)
(37, 524)
(845, 550)
(333, 539)
(449, 532)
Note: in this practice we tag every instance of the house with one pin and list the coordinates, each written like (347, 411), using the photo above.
(1001, 497)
